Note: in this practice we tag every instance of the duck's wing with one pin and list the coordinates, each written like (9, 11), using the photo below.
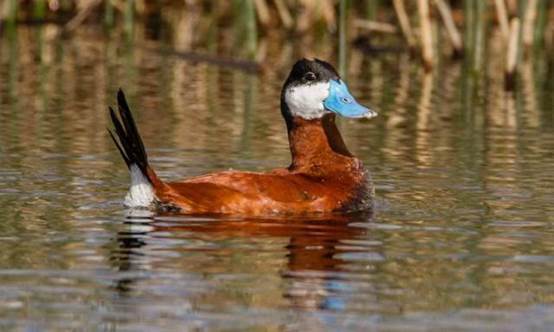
(246, 193)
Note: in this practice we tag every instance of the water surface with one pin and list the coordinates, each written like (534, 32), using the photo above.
(462, 237)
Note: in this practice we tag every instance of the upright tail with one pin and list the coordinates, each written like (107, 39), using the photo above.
(129, 144)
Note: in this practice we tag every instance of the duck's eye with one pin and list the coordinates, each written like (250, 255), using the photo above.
(310, 76)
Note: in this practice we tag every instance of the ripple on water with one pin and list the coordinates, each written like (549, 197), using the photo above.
(461, 237)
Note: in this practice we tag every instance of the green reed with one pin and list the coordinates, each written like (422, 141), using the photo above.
(129, 17)
(474, 35)
(251, 27)
(372, 7)
(246, 29)
(39, 10)
(12, 11)
(541, 24)
(108, 13)
(343, 8)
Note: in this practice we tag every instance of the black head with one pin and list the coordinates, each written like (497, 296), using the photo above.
(313, 89)
(307, 71)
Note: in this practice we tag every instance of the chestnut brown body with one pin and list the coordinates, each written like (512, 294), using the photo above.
(323, 177)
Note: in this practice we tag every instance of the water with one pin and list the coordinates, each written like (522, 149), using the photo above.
(462, 237)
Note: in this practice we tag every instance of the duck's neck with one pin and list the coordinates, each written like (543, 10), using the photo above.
(316, 144)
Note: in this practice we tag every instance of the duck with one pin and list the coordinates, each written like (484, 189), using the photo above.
(323, 176)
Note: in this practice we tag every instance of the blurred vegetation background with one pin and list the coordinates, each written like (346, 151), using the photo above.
(242, 32)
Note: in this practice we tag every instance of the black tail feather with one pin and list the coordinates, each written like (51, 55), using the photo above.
(128, 140)
(125, 158)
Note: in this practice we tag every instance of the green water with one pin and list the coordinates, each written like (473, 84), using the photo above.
(462, 237)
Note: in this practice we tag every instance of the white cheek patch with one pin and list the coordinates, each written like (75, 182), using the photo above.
(306, 101)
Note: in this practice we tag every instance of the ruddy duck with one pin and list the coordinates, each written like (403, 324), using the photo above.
(323, 176)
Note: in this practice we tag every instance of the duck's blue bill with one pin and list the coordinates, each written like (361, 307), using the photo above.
(340, 101)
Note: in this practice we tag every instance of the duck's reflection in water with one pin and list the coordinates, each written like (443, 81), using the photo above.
(316, 250)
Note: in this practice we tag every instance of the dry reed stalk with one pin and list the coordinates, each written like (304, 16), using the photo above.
(4, 10)
(426, 34)
(404, 23)
(375, 26)
(512, 6)
(511, 58)
(315, 11)
(284, 14)
(262, 11)
(84, 12)
(502, 15)
(261, 51)
(120, 6)
(329, 14)
(185, 22)
(529, 22)
(141, 6)
(455, 37)
(305, 18)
